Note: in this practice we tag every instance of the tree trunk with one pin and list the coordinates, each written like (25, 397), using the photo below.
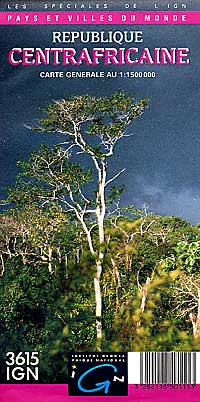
(78, 256)
(7, 246)
(144, 293)
(117, 281)
(196, 320)
(100, 214)
(98, 300)
(50, 260)
(66, 266)
(24, 260)
(3, 265)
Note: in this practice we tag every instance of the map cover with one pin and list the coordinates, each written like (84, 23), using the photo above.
(100, 203)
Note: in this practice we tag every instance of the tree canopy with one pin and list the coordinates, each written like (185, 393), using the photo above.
(80, 271)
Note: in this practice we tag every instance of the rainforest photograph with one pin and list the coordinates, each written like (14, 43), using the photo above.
(99, 201)
(80, 269)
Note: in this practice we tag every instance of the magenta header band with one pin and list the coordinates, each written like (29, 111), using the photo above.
(98, 17)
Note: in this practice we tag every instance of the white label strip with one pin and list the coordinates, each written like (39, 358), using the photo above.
(133, 367)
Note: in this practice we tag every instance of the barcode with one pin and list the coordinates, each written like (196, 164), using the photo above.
(168, 368)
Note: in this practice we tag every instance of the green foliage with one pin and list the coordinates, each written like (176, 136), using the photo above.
(46, 313)
(113, 194)
(47, 174)
(154, 329)
(48, 264)
(188, 255)
(54, 313)
(82, 116)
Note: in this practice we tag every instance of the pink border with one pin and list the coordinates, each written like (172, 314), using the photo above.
(58, 393)
(97, 17)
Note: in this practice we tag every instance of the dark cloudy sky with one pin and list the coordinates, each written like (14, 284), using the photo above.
(162, 157)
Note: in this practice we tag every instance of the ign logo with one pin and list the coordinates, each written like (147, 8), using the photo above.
(98, 373)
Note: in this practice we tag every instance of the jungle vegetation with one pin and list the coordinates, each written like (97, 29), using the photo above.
(79, 271)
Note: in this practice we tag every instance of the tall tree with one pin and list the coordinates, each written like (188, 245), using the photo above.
(92, 126)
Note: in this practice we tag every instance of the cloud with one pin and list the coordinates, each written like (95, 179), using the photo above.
(163, 200)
